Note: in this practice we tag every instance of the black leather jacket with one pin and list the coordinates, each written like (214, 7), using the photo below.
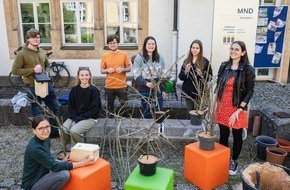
(243, 85)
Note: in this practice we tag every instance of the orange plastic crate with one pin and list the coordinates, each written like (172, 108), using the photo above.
(206, 169)
(96, 176)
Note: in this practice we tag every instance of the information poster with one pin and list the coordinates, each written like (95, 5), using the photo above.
(235, 21)
(270, 36)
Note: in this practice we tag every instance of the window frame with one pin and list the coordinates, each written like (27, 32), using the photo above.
(122, 22)
(35, 15)
(78, 24)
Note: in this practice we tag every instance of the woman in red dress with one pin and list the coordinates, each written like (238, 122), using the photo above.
(235, 87)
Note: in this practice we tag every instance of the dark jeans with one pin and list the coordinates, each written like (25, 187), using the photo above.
(149, 104)
(111, 96)
(50, 101)
(237, 136)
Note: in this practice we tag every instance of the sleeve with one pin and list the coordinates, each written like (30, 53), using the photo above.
(44, 158)
(17, 67)
(72, 114)
(163, 74)
(127, 60)
(103, 62)
(95, 106)
(182, 75)
(206, 71)
(137, 71)
(250, 83)
(47, 65)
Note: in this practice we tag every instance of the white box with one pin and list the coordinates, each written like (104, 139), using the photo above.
(81, 150)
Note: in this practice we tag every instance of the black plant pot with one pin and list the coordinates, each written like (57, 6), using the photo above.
(148, 166)
(262, 143)
(160, 116)
(196, 117)
(206, 143)
(246, 184)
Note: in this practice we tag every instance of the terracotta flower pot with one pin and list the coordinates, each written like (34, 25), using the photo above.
(275, 155)
(284, 144)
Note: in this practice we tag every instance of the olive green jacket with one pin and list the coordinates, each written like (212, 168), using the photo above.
(25, 62)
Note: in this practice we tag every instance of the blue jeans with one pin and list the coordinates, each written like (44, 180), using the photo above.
(148, 103)
(50, 101)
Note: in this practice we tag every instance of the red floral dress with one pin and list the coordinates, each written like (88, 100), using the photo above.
(225, 108)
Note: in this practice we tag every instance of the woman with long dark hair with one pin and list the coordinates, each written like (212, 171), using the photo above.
(194, 72)
(149, 68)
(235, 87)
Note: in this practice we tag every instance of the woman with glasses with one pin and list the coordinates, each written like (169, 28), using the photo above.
(41, 170)
(149, 68)
(83, 108)
(235, 87)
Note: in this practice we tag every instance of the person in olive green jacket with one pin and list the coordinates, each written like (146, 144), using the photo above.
(29, 60)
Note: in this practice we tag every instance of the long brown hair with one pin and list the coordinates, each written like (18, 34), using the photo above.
(200, 63)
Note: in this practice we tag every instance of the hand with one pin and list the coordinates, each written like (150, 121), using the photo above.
(163, 95)
(38, 68)
(150, 85)
(187, 68)
(66, 158)
(234, 117)
(88, 160)
(110, 70)
(119, 70)
(198, 71)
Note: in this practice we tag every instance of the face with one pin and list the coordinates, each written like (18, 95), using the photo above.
(195, 49)
(236, 52)
(150, 46)
(35, 41)
(113, 45)
(42, 131)
(84, 76)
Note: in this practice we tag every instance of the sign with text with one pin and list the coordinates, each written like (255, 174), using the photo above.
(234, 20)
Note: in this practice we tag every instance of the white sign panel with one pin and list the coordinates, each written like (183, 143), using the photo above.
(233, 20)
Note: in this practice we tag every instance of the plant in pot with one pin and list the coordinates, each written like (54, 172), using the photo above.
(155, 128)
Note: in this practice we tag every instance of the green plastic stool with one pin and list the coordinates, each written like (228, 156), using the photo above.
(162, 180)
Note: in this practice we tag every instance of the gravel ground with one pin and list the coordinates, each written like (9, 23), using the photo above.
(13, 140)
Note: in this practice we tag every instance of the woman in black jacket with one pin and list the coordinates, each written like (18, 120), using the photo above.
(235, 87)
(194, 72)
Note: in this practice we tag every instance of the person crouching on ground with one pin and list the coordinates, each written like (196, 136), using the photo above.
(41, 170)
(83, 108)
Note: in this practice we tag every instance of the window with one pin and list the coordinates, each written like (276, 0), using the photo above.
(77, 22)
(121, 18)
(35, 14)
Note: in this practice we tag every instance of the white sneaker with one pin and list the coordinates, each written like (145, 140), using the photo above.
(233, 167)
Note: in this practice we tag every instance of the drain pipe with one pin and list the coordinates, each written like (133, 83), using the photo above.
(175, 38)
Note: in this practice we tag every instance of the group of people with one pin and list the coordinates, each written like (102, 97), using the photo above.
(236, 85)
(234, 89)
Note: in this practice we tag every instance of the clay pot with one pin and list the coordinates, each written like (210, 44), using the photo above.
(284, 144)
(206, 142)
(148, 164)
(275, 155)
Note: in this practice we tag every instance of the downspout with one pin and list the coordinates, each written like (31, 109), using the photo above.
(175, 37)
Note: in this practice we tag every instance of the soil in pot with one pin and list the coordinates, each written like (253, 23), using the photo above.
(196, 117)
(284, 144)
(206, 142)
(274, 177)
(148, 164)
(275, 155)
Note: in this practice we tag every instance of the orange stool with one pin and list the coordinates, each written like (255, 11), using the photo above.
(206, 169)
(96, 176)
